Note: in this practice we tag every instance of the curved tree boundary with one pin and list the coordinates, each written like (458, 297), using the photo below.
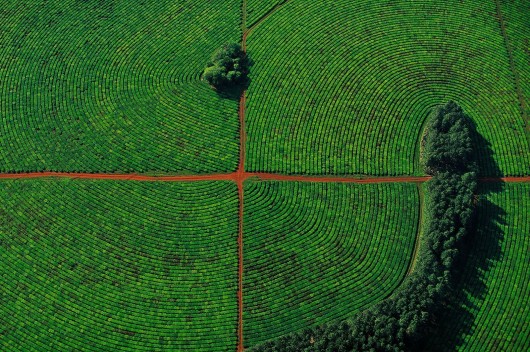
(400, 322)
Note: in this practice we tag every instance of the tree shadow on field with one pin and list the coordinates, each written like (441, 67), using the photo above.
(233, 93)
(481, 250)
(486, 163)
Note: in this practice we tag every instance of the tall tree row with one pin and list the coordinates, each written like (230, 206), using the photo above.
(400, 322)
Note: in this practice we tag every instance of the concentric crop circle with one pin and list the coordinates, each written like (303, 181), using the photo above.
(347, 90)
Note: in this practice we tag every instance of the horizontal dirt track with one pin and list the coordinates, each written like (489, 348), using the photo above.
(239, 177)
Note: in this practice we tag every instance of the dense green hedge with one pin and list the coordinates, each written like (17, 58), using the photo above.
(397, 323)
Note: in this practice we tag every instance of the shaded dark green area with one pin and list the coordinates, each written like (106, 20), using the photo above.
(489, 308)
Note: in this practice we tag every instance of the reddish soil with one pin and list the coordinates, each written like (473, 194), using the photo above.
(124, 177)
(350, 179)
(240, 176)
(505, 179)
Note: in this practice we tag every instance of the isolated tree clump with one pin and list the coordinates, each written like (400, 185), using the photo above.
(228, 66)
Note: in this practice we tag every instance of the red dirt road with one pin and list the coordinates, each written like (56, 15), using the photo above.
(349, 179)
(240, 176)
(505, 179)
(121, 177)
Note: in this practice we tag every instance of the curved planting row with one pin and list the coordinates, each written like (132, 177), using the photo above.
(515, 16)
(256, 9)
(316, 252)
(493, 312)
(344, 87)
(114, 265)
(114, 86)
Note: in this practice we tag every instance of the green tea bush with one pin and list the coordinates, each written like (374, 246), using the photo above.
(118, 266)
(115, 86)
(256, 9)
(344, 87)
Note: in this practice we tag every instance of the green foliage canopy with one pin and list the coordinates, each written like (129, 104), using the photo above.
(228, 66)
(448, 145)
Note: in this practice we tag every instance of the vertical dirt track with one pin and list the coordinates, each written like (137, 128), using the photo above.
(240, 178)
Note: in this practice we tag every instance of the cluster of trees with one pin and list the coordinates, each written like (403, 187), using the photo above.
(227, 67)
(448, 145)
(400, 322)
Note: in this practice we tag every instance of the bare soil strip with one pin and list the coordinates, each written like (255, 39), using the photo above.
(120, 177)
(240, 176)
(349, 179)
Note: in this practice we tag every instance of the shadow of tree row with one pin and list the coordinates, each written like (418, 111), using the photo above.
(482, 249)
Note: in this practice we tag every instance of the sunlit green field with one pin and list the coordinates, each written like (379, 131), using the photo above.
(108, 266)
(316, 253)
(105, 86)
(342, 87)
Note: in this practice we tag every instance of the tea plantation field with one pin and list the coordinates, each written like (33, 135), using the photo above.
(336, 88)
(315, 253)
(106, 86)
(342, 87)
(257, 9)
(515, 14)
(118, 266)
(491, 313)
